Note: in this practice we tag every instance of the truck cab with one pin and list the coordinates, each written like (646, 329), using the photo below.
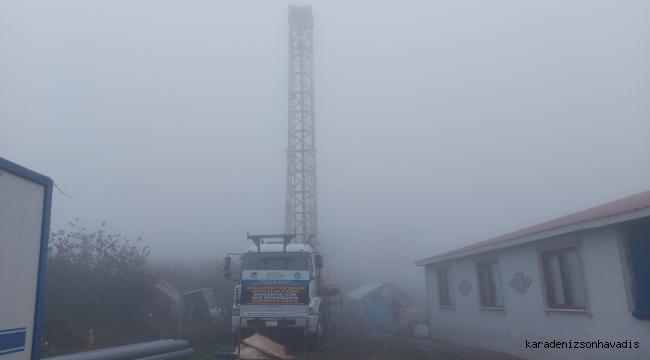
(278, 289)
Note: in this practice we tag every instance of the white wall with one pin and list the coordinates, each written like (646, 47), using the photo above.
(524, 317)
(21, 212)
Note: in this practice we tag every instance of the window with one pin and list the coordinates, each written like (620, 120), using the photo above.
(637, 244)
(276, 261)
(490, 285)
(444, 282)
(563, 279)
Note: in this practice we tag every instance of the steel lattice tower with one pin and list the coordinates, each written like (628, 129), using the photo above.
(300, 215)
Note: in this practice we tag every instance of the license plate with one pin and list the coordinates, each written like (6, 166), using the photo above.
(271, 323)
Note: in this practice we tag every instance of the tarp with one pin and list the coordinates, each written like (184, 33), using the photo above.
(638, 236)
(261, 347)
(247, 352)
(329, 289)
(364, 290)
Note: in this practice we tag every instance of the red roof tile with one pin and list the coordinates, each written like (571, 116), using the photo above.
(630, 203)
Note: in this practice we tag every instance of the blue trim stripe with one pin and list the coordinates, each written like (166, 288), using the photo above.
(12, 330)
(42, 265)
(11, 351)
(24, 172)
(12, 341)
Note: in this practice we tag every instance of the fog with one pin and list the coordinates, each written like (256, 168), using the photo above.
(438, 123)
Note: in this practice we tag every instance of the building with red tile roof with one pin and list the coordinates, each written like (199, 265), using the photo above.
(566, 286)
(610, 213)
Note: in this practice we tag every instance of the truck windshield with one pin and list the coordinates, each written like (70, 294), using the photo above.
(276, 261)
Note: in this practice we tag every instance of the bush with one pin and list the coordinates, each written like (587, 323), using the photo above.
(100, 291)
(97, 282)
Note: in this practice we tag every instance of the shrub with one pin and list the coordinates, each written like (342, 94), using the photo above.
(95, 281)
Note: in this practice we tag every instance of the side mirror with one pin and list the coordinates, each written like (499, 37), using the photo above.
(227, 274)
(319, 261)
(226, 265)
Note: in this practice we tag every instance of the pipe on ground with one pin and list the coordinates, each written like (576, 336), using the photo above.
(83, 355)
(130, 352)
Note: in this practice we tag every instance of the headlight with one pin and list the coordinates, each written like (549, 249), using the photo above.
(235, 312)
(311, 311)
(238, 295)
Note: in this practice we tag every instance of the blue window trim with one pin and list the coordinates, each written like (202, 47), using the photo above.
(12, 341)
(12, 330)
(18, 170)
(12, 351)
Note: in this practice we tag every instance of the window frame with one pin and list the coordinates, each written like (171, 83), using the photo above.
(448, 288)
(557, 243)
(626, 265)
(546, 255)
(492, 285)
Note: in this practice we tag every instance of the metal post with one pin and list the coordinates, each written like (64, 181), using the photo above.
(239, 331)
(306, 338)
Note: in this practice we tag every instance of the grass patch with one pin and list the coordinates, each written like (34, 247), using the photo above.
(357, 345)
(205, 354)
(361, 344)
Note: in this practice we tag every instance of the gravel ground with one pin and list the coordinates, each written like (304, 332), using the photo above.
(363, 344)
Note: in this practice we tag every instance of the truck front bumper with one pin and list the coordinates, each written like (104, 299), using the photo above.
(248, 323)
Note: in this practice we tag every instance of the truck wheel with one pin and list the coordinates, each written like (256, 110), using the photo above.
(326, 317)
(316, 339)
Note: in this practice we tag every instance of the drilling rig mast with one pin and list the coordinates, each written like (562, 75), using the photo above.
(300, 214)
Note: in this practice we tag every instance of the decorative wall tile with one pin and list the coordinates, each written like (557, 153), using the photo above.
(520, 282)
(464, 287)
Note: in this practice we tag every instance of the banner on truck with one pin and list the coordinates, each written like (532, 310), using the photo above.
(275, 311)
(274, 287)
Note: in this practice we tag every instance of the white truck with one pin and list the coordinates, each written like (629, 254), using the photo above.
(278, 290)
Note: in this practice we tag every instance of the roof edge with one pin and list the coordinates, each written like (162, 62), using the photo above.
(24, 172)
(584, 225)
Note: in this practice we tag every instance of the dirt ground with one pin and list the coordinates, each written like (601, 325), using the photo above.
(365, 344)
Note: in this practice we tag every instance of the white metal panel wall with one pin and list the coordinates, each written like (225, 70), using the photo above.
(21, 215)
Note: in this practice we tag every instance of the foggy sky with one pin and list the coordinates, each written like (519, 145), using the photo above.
(438, 124)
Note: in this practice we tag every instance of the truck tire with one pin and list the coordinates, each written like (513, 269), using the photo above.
(326, 316)
(316, 339)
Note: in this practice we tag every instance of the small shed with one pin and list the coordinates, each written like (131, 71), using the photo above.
(373, 301)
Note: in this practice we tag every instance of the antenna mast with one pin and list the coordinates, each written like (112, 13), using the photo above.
(300, 214)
